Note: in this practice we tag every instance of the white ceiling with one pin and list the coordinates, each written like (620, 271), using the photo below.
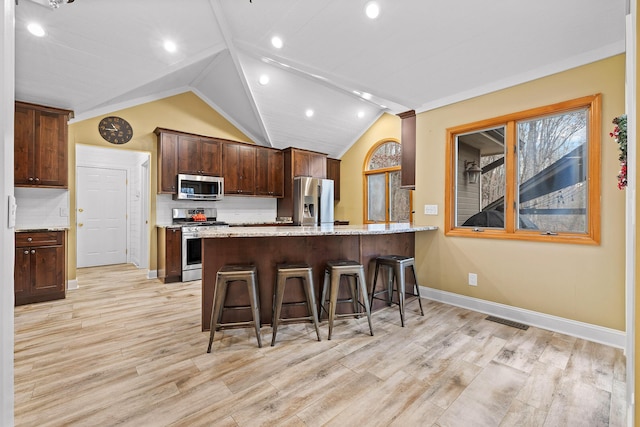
(103, 55)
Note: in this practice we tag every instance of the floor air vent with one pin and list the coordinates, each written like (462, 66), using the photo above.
(508, 322)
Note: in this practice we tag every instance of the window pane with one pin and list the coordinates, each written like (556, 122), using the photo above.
(386, 155)
(480, 199)
(377, 195)
(399, 200)
(552, 166)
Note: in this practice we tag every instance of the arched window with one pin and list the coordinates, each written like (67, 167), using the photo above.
(385, 201)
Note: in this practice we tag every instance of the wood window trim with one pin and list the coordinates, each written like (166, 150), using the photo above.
(592, 236)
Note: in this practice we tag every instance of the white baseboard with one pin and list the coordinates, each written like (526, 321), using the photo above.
(599, 334)
(72, 284)
(152, 274)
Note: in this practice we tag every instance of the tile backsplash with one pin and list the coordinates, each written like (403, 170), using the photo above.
(42, 208)
(231, 209)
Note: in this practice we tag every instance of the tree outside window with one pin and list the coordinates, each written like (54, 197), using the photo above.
(385, 201)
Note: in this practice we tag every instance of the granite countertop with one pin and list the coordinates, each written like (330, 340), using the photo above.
(34, 229)
(322, 230)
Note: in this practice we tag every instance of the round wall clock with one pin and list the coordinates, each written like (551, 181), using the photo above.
(115, 130)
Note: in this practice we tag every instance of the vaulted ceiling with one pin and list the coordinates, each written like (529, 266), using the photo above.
(99, 56)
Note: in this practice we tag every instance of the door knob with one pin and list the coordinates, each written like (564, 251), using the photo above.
(80, 210)
(26, 252)
(80, 224)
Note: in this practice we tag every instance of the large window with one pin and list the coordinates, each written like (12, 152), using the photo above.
(385, 201)
(531, 175)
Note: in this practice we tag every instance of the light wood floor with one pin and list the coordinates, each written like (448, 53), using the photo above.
(129, 351)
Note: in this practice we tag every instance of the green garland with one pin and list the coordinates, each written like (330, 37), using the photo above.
(619, 135)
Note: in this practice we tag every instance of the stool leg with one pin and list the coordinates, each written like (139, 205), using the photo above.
(353, 287)
(390, 278)
(311, 301)
(400, 288)
(277, 307)
(333, 299)
(323, 300)
(216, 313)
(373, 288)
(415, 280)
(255, 306)
(364, 298)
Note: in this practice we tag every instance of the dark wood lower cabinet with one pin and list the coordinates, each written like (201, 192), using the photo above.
(39, 267)
(170, 254)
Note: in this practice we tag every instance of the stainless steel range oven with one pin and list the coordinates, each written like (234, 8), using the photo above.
(192, 221)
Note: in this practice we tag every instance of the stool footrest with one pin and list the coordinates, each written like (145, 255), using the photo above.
(233, 325)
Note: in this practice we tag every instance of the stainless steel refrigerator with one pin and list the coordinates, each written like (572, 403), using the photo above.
(312, 201)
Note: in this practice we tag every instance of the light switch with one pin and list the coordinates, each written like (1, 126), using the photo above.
(431, 209)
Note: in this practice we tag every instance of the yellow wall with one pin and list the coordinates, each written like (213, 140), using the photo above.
(185, 112)
(579, 282)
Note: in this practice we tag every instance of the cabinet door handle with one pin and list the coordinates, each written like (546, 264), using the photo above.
(33, 251)
(29, 239)
(26, 252)
(30, 179)
(37, 179)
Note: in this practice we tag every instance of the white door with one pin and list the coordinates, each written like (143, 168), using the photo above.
(102, 216)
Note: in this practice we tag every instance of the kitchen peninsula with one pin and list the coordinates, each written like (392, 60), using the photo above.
(315, 245)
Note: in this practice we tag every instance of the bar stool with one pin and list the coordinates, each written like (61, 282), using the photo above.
(294, 271)
(355, 275)
(227, 274)
(396, 265)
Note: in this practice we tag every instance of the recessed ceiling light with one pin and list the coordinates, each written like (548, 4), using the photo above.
(309, 113)
(360, 114)
(36, 29)
(170, 46)
(372, 9)
(277, 42)
(264, 79)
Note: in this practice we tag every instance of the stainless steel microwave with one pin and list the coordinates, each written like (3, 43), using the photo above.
(199, 187)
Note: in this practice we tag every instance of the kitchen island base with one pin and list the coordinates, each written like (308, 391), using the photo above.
(266, 252)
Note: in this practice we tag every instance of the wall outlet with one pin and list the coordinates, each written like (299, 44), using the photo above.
(473, 279)
(431, 209)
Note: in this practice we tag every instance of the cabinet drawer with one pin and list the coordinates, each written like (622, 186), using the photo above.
(38, 238)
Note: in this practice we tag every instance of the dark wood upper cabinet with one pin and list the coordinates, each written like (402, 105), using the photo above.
(333, 172)
(408, 140)
(40, 146)
(269, 172)
(167, 162)
(199, 156)
(308, 163)
(180, 152)
(239, 168)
